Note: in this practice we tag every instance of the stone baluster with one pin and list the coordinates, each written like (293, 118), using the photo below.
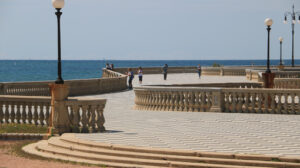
(42, 113)
(18, 112)
(156, 100)
(70, 113)
(209, 100)
(172, 101)
(12, 112)
(1, 113)
(153, 100)
(285, 106)
(267, 100)
(160, 100)
(92, 123)
(186, 99)
(35, 114)
(191, 101)
(84, 119)
(273, 96)
(234, 101)
(30, 113)
(292, 103)
(100, 119)
(279, 104)
(23, 115)
(240, 102)
(176, 101)
(47, 114)
(167, 99)
(76, 118)
(226, 96)
(196, 103)
(253, 102)
(247, 96)
(6, 112)
(181, 103)
(203, 102)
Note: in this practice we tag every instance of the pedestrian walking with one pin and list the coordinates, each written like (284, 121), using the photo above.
(131, 76)
(165, 71)
(112, 66)
(199, 70)
(140, 74)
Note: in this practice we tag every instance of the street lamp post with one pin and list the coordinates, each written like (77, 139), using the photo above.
(280, 40)
(293, 16)
(268, 23)
(58, 5)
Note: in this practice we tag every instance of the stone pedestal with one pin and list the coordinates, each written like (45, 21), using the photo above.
(217, 102)
(268, 80)
(59, 119)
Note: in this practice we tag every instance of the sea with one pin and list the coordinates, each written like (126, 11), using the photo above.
(46, 70)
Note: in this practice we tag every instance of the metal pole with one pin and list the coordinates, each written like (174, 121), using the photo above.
(59, 79)
(280, 53)
(293, 32)
(268, 61)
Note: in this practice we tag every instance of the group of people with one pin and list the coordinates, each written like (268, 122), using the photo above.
(139, 72)
(109, 66)
(131, 76)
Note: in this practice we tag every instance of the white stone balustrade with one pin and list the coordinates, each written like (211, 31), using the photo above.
(86, 115)
(287, 83)
(24, 109)
(242, 100)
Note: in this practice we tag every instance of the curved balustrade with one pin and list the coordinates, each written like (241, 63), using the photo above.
(243, 100)
(173, 99)
(287, 83)
(113, 81)
(86, 115)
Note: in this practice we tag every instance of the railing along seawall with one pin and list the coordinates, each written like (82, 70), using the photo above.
(243, 100)
(85, 115)
(223, 71)
(113, 81)
(287, 83)
(25, 109)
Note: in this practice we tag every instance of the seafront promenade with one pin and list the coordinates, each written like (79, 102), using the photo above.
(272, 134)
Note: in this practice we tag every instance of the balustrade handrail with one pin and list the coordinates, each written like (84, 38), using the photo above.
(254, 100)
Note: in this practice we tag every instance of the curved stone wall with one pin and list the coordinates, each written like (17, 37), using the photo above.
(111, 82)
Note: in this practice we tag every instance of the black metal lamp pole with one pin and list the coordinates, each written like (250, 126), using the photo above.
(268, 61)
(293, 15)
(280, 53)
(59, 79)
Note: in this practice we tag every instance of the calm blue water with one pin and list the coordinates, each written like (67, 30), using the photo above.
(35, 70)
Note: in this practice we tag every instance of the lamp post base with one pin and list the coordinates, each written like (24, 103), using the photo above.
(268, 79)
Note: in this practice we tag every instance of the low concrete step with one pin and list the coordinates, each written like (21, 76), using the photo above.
(71, 138)
(57, 142)
(32, 149)
(128, 160)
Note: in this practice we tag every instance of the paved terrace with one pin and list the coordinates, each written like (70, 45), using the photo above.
(202, 131)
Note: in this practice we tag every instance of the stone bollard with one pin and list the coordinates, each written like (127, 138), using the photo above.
(59, 120)
(217, 101)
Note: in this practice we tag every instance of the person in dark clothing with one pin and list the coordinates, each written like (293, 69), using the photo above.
(165, 71)
(199, 70)
(131, 76)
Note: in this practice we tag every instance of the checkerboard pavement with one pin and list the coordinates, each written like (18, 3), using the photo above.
(271, 134)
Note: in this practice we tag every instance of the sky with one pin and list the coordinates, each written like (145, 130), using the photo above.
(146, 29)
